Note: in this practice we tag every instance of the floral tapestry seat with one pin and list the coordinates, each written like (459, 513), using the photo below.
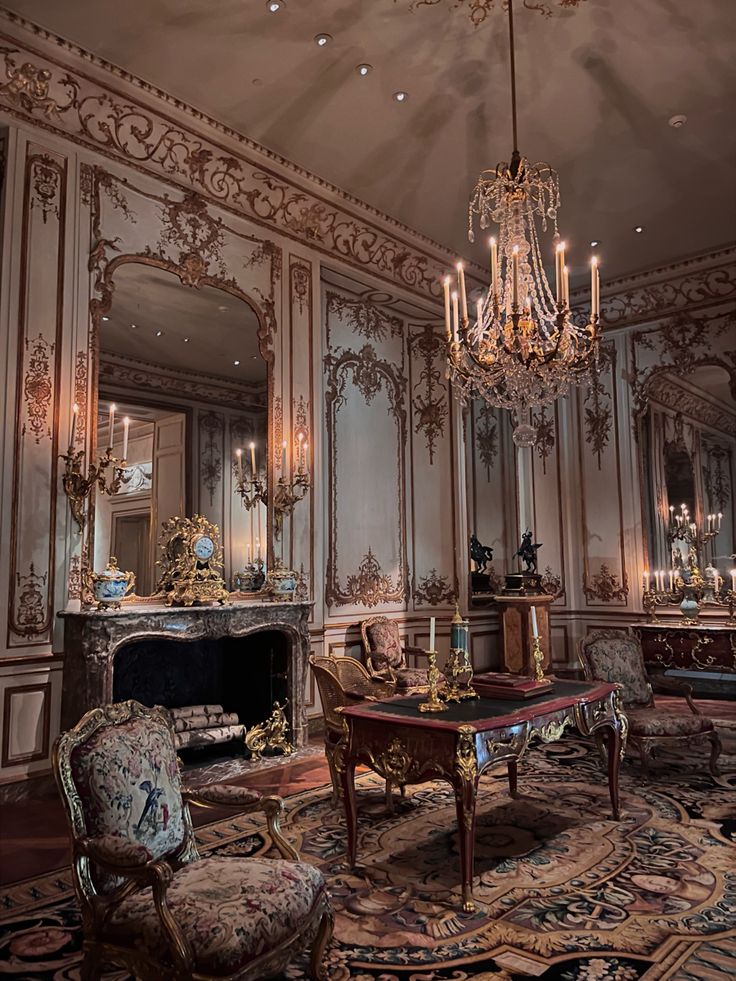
(616, 656)
(149, 902)
(386, 656)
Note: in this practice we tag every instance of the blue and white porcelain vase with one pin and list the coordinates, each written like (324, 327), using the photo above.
(110, 586)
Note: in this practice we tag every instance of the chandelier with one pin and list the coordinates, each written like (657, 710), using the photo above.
(523, 349)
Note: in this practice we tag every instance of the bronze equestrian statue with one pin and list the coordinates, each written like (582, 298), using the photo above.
(528, 552)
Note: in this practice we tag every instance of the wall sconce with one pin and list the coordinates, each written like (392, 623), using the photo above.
(251, 491)
(287, 493)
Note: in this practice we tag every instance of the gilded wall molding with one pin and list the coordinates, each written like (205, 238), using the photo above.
(486, 438)
(668, 392)
(605, 586)
(433, 590)
(545, 429)
(429, 393)
(598, 405)
(365, 318)
(51, 88)
(369, 586)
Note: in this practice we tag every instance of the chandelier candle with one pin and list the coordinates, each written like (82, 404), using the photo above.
(253, 460)
(75, 413)
(432, 622)
(446, 287)
(126, 428)
(494, 270)
(113, 407)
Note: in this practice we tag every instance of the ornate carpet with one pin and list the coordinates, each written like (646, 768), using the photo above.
(564, 893)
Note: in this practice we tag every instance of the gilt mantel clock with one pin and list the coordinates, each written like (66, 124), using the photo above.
(191, 562)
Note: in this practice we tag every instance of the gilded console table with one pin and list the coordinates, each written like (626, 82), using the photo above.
(405, 746)
(689, 647)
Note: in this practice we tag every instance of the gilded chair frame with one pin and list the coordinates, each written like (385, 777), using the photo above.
(140, 873)
(380, 675)
(646, 745)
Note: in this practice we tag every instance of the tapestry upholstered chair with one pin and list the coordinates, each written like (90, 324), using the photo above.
(149, 902)
(385, 655)
(616, 655)
(335, 676)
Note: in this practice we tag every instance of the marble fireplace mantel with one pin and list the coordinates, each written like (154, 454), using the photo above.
(93, 637)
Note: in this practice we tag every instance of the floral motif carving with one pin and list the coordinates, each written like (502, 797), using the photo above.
(80, 396)
(74, 582)
(605, 586)
(30, 614)
(127, 129)
(433, 589)
(369, 586)
(46, 177)
(300, 421)
(211, 429)
(301, 285)
(38, 387)
(430, 396)
(545, 427)
(552, 584)
(598, 406)
(367, 319)
(486, 438)
(278, 431)
(716, 477)
(478, 10)
(189, 227)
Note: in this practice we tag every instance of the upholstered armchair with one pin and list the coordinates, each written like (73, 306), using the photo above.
(150, 903)
(385, 655)
(616, 655)
(337, 678)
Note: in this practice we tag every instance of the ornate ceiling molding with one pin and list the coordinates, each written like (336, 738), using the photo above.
(62, 88)
(677, 395)
(479, 10)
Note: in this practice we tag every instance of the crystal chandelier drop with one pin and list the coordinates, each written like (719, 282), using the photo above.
(523, 349)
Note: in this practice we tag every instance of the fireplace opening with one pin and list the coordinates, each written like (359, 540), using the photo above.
(241, 676)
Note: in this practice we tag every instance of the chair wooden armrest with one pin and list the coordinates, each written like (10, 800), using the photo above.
(418, 651)
(672, 686)
(246, 801)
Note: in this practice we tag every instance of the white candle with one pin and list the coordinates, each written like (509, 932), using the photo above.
(733, 580)
(247, 553)
(594, 286)
(448, 324)
(306, 451)
(126, 428)
(239, 455)
(565, 287)
(535, 628)
(646, 582)
(672, 580)
(258, 540)
(515, 279)
(720, 517)
(253, 460)
(559, 264)
(717, 582)
(258, 545)
(431, 633)
(283, 457)
(463, 295)
(494, 270)
(113, 407)
(75, 413)
(455, 316)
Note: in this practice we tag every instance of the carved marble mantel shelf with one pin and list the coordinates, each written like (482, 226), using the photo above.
(93, 637)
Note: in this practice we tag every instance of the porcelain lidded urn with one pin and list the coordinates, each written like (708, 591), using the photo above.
(110, 586)
(281, 582)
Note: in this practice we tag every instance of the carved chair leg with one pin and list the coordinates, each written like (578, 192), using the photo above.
(321, 942)
(333, 777)
(273, 808)
(92, 962)
(715, 752)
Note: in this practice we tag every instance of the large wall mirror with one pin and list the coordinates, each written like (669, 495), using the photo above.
(183, 369)
(688, 441)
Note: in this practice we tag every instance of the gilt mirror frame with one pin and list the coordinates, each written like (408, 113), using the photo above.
(188, 226)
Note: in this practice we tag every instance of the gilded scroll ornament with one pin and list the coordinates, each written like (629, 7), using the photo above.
(598, 406)
(301, 282)
(551, 731)
(544, 426)
(28, 85)
(478, 10)
(46, 181)
(605, 586)
(38, 388)
(394, 763)
(466, 760)
(271, 734)
(430, 395)
(486, 438)
(30, 614)
(551, 584)
(433, 589)
(370, 586)
(367, 319)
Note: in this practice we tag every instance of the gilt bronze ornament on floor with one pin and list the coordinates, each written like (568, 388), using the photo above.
(270, 735)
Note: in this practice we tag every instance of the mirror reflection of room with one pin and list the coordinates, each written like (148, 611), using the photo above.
(184, 384)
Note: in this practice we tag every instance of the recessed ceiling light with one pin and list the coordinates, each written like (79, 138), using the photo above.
(222, 308)
(401, 96)
(186, 340)
(159, 333)
(275, 5)
(133, 326)
(594, 243)
(236, 363)
(105, 319)
(638, 229)
(322, 39)
(678, 120)
(364, 70)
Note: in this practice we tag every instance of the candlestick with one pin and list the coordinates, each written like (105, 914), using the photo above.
(535, 628)
(565, 287)
(515, 279)
(463, 295)
(448, 324)
(247, 553)
(494, 270)
(455, 316)
(559, 264)
(258, 548)
(594, 287)
(253, 460)
(431, 633)
(113, 407)
(75, 413)
(126, 428)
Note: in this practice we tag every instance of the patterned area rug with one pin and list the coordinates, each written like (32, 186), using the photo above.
(564, 893)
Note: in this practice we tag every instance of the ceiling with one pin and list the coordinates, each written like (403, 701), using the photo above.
(596, 84)
(221, 328)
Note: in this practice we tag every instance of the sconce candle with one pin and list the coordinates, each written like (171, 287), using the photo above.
(75, 413)
(672, 580)
(283, 457)
(494, 270)
(113, 407)
(448, 324)
(463, 294)
(239, 455)
(126, 428)
(253, 460)
(431, 633)
(646, 581)
(733, 580)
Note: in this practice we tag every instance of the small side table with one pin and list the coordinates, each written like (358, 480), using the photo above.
(516, 617)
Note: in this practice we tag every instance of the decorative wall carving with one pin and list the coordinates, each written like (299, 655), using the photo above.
(598, 405)
(716, 477)
(486, 438)
(365, 318)
(369, 586)
(46, 188)
(433, 590)
(478, 10)
(38, 388)
(240, 178)
(545, 427)
(278, 431)
(605, 586)
(80, 396)
(30, 612)
(301, 279)
(300, 422)
(673, 394)
(211, 431)
(429, 394)
(552, 584)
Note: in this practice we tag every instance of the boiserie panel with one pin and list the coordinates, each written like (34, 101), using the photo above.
(547, 466)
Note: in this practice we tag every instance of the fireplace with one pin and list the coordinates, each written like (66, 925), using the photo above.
(243, 656)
